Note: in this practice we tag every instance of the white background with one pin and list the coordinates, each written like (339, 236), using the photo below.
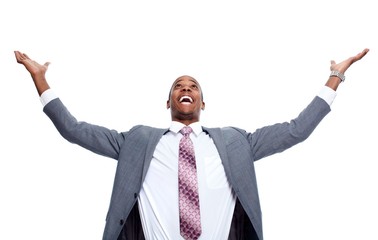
(259, 62)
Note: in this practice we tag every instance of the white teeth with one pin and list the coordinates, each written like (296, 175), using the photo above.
(186, 97)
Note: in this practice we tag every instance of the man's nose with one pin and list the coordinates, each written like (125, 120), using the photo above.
(186, 88)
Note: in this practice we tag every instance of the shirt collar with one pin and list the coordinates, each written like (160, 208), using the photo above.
(176, 127)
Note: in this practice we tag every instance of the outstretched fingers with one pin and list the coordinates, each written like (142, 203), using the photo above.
(20, 57)
(32, 66)
(344, 65)
(360, 55)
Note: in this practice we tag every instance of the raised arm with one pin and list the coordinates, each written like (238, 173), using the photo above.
(36, 70)
(95, 138)
(334, 81)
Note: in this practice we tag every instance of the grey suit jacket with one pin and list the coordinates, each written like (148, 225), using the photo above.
(133, 149)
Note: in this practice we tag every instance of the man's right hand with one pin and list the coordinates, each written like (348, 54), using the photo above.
(36, 70)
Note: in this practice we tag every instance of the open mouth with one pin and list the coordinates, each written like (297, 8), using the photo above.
(186, 100)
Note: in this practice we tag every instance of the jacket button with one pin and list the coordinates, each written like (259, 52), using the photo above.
(121, 222)
(135, 195)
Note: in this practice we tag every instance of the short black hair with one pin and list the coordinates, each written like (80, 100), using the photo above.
(170, 91)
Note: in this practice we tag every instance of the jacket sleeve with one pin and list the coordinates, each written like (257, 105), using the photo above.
(276, 138)
(95, 138)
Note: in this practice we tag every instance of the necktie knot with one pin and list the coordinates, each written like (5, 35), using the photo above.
(186, 131)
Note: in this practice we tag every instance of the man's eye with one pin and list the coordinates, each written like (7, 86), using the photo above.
(194, 86)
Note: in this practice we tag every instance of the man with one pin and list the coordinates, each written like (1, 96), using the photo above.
(146, 198)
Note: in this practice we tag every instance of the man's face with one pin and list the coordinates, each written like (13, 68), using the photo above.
(185, 100)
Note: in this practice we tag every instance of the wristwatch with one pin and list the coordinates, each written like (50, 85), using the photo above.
(338, 74)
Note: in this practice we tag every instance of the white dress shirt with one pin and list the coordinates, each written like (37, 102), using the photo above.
(158, 198)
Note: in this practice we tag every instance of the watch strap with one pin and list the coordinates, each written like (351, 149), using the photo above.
(337, 74)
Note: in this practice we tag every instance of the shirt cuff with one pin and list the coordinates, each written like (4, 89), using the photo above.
(47, 96)
(327, 94)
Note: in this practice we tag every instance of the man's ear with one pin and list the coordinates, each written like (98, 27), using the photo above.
(168, 104)
(203, 106)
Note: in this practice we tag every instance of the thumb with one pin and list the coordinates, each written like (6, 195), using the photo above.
(332, 63)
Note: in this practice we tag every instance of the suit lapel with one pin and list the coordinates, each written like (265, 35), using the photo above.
(220, 143)
(154, 138)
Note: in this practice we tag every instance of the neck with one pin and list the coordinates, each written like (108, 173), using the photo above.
(185, 119)
(186, 122)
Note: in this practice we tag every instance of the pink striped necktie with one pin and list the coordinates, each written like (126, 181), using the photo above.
(190, 220)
